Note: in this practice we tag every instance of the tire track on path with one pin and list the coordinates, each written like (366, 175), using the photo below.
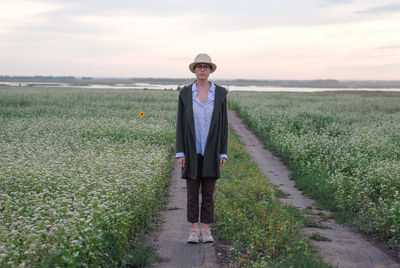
(171, 238)
(347, 248)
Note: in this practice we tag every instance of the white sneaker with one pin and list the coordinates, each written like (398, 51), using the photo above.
(195, 236)
(206, 235)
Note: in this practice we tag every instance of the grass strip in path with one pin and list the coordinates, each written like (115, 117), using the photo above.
(253, 227)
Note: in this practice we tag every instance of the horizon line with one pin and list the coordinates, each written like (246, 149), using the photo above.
(191, 78)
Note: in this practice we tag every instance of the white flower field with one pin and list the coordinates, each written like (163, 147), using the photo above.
(81, 173)
(345, 148)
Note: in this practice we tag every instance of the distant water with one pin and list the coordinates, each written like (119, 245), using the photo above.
(303, 89)
(120, 86)
(174, 87)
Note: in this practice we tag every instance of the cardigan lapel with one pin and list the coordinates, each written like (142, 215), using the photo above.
(217, 106)
(189, 111)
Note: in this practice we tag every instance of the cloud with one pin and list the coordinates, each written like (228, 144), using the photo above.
(324, 3)
(205, 16)
(371, 71)
(380, 9)
(390, 47)
(159, 38)
(19, 13)
(221, 15)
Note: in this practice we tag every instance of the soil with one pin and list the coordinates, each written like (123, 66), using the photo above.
(174, 231)
(345, 247)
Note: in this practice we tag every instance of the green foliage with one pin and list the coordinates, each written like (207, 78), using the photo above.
(319, 237)
(261, 231)
(300, 217)
(320, 190)
(82, 174)
(345, 148)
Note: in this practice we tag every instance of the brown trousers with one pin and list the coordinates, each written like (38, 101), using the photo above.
(207, 196)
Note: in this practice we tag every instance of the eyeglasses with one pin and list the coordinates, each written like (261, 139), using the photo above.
(203, 66)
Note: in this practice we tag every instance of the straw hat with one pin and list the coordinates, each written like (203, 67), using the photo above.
(202, 58)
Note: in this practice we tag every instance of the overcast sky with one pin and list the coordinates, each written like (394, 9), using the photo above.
(259, 39)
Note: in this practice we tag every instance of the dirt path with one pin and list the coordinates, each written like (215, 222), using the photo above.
(171, 239)
(347, 248)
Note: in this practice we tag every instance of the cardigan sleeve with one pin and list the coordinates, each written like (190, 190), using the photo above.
(179, 142)
(224, 134)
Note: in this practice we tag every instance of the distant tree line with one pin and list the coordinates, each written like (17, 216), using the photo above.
(37, 78)
(318, 83)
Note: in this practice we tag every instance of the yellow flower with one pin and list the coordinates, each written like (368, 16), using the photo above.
(141, 114)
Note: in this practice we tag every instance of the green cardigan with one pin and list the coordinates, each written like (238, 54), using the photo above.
(217, 140)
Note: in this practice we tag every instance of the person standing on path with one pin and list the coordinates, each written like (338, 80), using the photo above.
(201, 144)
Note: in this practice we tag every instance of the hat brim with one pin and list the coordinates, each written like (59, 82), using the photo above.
(193, 64)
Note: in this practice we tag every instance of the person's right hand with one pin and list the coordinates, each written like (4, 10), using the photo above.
(181, 162)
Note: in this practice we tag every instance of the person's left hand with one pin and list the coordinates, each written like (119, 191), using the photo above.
(222, 162)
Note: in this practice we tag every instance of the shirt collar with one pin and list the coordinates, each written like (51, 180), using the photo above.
(212, 88)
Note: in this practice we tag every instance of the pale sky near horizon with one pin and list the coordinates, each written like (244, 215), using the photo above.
(249, 39)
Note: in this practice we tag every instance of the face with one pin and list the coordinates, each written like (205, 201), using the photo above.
(202, 70)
